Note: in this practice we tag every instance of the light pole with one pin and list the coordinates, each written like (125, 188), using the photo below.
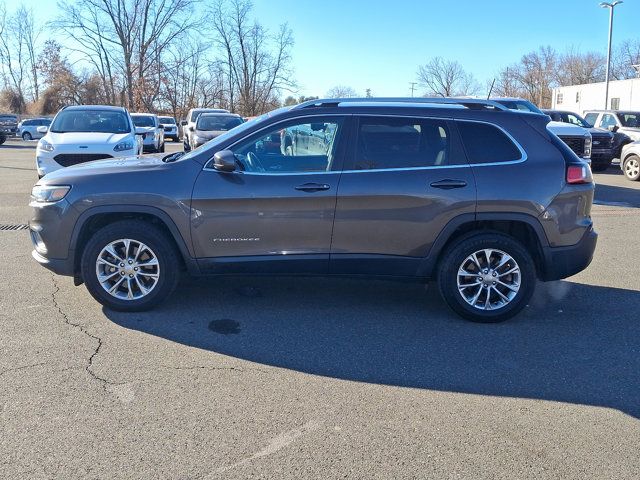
(610, 6)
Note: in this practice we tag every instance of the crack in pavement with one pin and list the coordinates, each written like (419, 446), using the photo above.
(82, 328)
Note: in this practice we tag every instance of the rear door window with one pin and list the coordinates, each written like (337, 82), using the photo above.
(591, 118)
(486, 143)
(398, 142)
(607, 121)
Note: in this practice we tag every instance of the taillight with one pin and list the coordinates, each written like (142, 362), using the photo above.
(577, 174)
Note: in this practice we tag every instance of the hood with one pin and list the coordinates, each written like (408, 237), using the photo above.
(560, 128)
(86, 138)
(600, 132)
(146, 129)
(126, 165)
(209, 134)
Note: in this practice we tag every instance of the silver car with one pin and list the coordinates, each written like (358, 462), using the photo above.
(28, 129)
(210, 125)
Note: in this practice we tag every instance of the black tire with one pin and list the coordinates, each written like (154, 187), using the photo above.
(161, 148)
(3, 138)
(632, 174)
(147, 233)
(26, 136)
(460, 250)
(186, 146)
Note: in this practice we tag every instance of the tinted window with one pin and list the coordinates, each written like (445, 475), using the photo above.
(167, 121)
(486, 143)
(45, 121)
(591, 118)
(28, 123)
(296, 147)
(385, 142)
(143, 121)
(217, 123)
(631, 120)
(574, 119)
(102, 121)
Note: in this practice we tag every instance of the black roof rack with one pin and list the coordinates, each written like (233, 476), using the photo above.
(470, 103)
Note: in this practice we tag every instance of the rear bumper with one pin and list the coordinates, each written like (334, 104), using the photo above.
(562, 262)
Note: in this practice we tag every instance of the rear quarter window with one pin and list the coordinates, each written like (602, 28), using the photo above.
(485, 143)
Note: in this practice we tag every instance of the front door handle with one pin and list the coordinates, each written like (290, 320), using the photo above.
(313, 187)
(448, 184)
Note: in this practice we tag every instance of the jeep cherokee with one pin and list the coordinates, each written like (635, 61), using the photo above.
(483, 199)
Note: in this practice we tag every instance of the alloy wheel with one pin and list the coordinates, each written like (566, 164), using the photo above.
(632, 168)
(489, 279)
(127, 269)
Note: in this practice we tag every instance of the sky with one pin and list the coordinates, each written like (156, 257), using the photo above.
(379, 44)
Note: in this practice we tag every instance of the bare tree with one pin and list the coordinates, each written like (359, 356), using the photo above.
(624, 58)
(445, 78)
(18, 54)
(256, 63)
(341, 91)
(575, 68)
(132, 33)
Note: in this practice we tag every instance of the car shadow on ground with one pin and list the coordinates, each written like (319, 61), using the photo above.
(10, 146)
(613, 194)
(574, 343)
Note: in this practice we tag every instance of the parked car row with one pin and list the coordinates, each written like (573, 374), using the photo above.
(483, 199)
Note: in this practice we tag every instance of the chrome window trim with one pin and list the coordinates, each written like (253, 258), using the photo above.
(523, 158)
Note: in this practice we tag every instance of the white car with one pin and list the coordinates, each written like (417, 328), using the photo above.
(630, 161)
(170, 128)
(85, 133)
(153, 132)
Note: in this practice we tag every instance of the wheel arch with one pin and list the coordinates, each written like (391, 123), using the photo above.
(520, 226)
(98, 217)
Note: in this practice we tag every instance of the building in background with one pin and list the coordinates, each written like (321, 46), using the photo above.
(623, 95)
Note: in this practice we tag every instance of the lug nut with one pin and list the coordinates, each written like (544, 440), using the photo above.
(130, 262)
(495, 274)
(122, 264)
(122, 273)
(135, 269)
(131, 275)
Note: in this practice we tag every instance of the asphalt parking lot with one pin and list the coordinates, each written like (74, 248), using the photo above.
(315, 378)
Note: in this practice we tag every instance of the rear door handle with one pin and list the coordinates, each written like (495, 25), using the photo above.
(448, 184)
(313, 187)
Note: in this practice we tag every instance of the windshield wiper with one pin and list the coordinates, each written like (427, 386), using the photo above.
(172, 157)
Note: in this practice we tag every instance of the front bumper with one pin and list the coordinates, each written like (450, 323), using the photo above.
(59, 266)
(563, 262)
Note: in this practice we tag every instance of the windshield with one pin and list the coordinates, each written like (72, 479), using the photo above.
(522, 105)
(167, 121)
(143, 121)
(100, 121)
(217, 123)
(575, 119)
(630, 119)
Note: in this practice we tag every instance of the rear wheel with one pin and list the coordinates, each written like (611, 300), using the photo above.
(486, 277)
(162, 148)
(130, 266)
(631, 167)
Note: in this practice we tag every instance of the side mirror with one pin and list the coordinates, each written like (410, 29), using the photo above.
(183, 123)
(224, 161)
(42, 129)
(614, 128)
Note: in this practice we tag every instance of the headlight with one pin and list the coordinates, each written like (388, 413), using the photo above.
(49, 193)
(44, 145)
(587, 145)
(122, 146)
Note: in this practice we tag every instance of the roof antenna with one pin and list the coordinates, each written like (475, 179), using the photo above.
(491, 89)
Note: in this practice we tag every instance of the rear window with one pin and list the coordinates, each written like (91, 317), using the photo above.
(387, 142)
(486, 143)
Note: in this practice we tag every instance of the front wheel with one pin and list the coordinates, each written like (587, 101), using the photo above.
(26, 136)
(130, 266)
(631, 167)
(486, 277)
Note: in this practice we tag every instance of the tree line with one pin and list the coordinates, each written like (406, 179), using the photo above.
(147, 55)
(534, 76)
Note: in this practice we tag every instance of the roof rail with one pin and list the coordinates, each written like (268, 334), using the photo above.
(470, 103)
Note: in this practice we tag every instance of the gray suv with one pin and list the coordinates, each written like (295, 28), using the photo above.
(482, 199)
